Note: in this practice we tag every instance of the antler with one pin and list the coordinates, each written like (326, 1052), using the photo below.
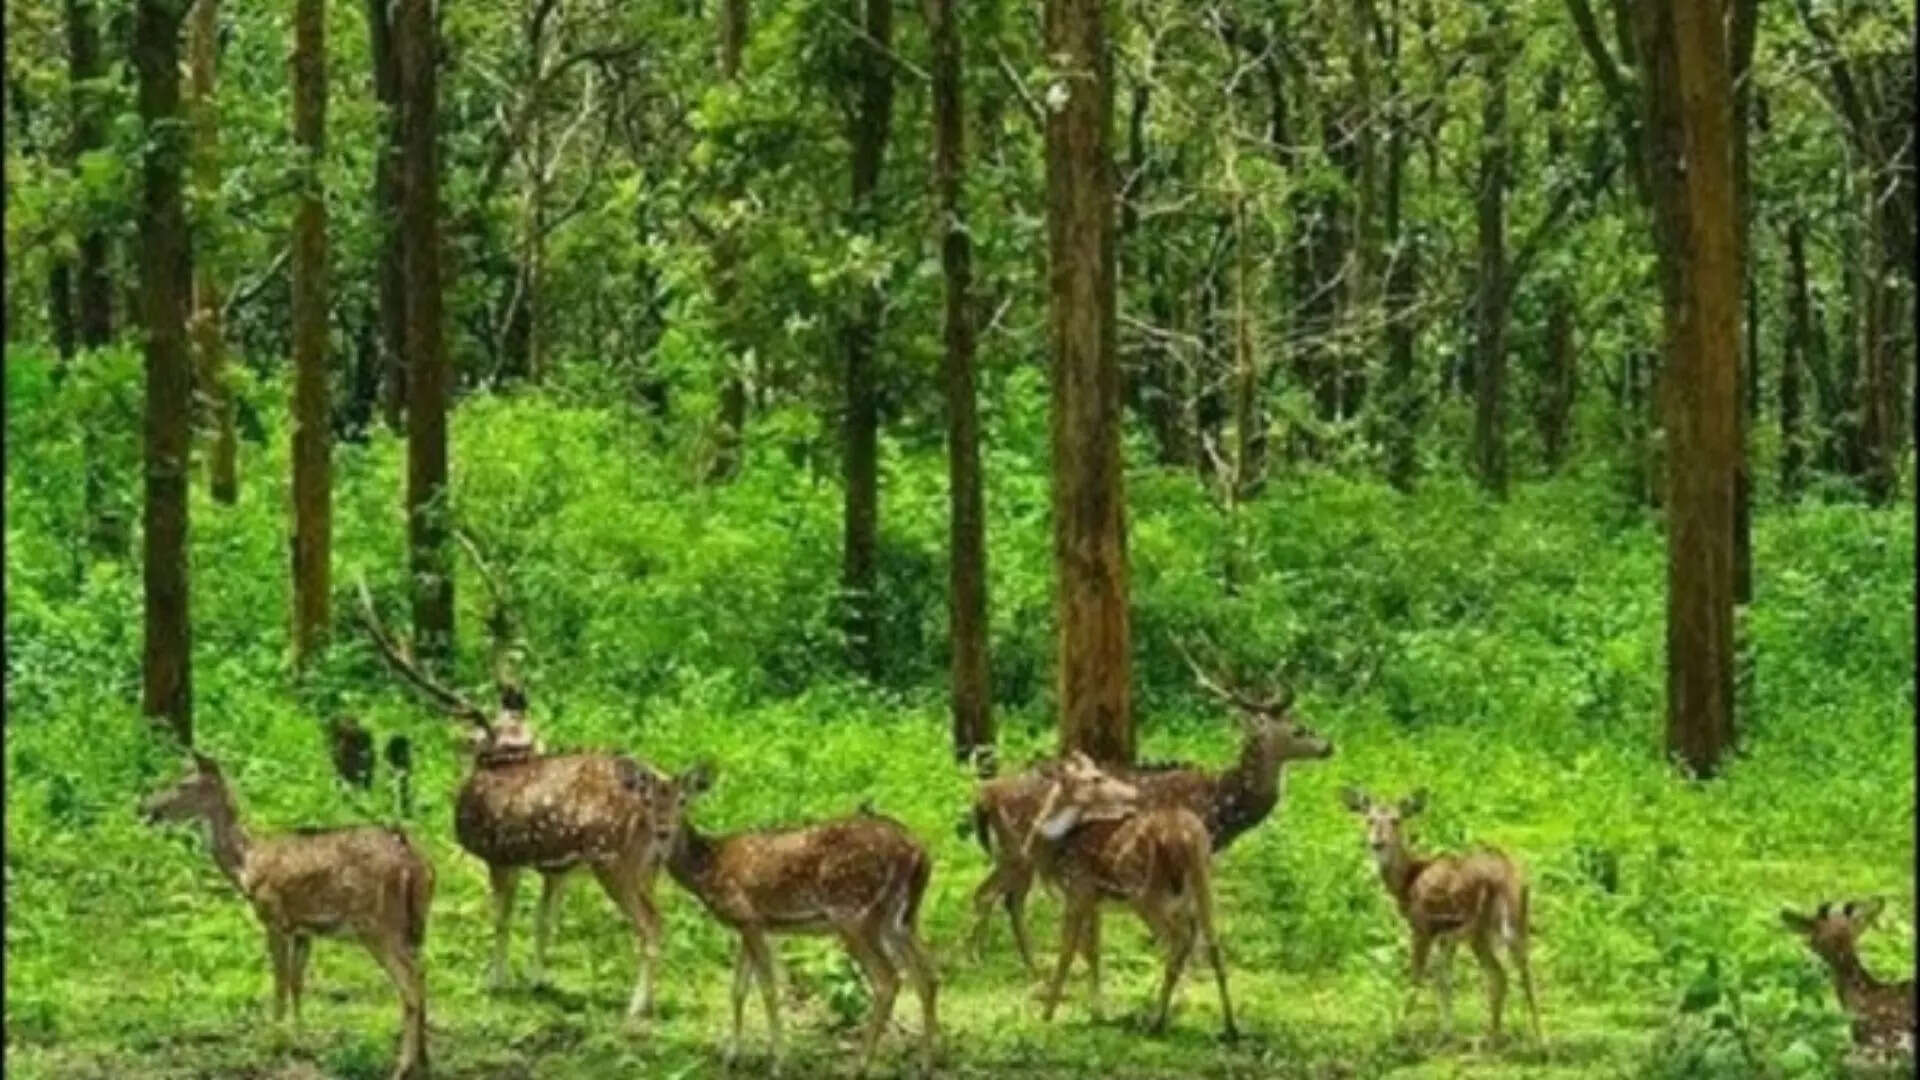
(500, 619)
(1278, 701)
(452, 701)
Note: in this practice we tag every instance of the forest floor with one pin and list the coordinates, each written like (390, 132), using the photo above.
(1509, 658)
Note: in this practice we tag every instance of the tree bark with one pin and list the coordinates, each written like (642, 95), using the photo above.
(1793, 360)
(167, 665)
(210, 351)
(387, 199)
(1089, 513)
(726, 270)
(426, 351)
(1561, 377)
(1742, 38)
(1490, 337)
(1402, 396)
(94, 291)
(312, 479)
(1689, 117)
(871, 126)
(966, 542)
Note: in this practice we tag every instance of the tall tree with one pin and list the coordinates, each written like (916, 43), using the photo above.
(967, 533)
(1403, 399)
(209, 348)
(1490, 329)
(392, 303)
(1794, 360)
(1689, 97)
(1089, 511)
(726, 266)
(93, 285)
(872, 122)
(426, 350)
(312, 432)
(167, 664)
(1742, 38)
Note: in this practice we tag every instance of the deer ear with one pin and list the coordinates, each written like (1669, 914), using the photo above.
(1867, 910)
(1354, 799)
(1413, 803)
(697, 779)
(1796, 922)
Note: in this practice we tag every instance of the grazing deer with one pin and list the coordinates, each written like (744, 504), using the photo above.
(1097, 843)
(1882, 1012)
(1228, 802)
(555, 813)
(367, 882)
(1444, 898)
(859, 878)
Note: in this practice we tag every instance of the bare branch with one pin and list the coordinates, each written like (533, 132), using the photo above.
(397, 657)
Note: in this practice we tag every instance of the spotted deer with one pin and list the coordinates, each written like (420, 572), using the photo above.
(859, 878)
(1229, 802)
(522, 808)
(1444, 898)
(1095, 840)
(1882, 1013)
(368, 883)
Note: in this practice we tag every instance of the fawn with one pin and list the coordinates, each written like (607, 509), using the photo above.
(1228, 802)
(859, 878)
(368, 882)
(1882, 1012)
(520, 807)
(1446, 897)
(1097, 843)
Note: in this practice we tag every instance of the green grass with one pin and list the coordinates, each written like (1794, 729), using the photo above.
(1507, 658)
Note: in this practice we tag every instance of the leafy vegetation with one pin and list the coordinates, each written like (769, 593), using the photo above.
(1506, 656)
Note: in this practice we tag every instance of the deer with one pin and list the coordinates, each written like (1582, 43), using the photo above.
(1229, 802)
(1444, 898)
(521, 808)
(1882, 1013)
(859, 878)
(369, 883)
(1099, 843)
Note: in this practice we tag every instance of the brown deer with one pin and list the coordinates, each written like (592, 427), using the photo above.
(1882, 1013)
(1228, 802)
(1444, 898)
(859, 878)
(555, 813)
(366, 882)
(1097, 843)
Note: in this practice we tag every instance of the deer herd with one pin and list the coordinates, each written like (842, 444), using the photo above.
(1143, 836)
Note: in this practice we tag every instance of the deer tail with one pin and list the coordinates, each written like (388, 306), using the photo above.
(917, 878)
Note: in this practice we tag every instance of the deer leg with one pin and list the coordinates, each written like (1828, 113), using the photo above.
(742, 978)
(505, 881)
(1203, 920)
(1014, 896)
(983, 898)
(279, 952)
(297, 972)
(1071, 921)
(1443, 979)
(755, 943)
(552, 887)
(926, 986)
(1422, 945)
(1090, 950)
(1517, 951)
(1182, 931)
(402, 964)
(631, 893)
(1496, 980)
(861, 944)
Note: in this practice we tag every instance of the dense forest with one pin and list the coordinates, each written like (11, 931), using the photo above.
(837, 407)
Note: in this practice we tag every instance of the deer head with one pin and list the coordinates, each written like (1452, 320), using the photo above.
(1266, 719)
(1383, 822)
(1833, 930)
(669, 800)
(1080, 791)
(202, 793)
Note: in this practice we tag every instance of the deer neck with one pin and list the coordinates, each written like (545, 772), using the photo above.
(691, 861)
(230, 842)
(1850, 979)
(1398, 871)
(1246, 793)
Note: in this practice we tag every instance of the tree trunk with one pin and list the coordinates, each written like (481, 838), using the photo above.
(1249, 424)
(1402, 396)
(210, 352)
(168, 653)
(426, 352)
(1089, 511)
(726, 270)
(1793, 360)
(1490, 337)
(60, 270)
(1743, 35)
(387, 199)
(93, 285)
(1561, 379)
(312, 480)
(871, 127)
(1879, 362)
(1363, 288)
(967, 566)
(1696, 218)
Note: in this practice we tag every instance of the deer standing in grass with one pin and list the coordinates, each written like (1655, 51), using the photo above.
(555, 813)
(1093, 839)
(367, 882)
(859, 878)
(1882, 1013)
(1444, 898)
(1228, 802)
